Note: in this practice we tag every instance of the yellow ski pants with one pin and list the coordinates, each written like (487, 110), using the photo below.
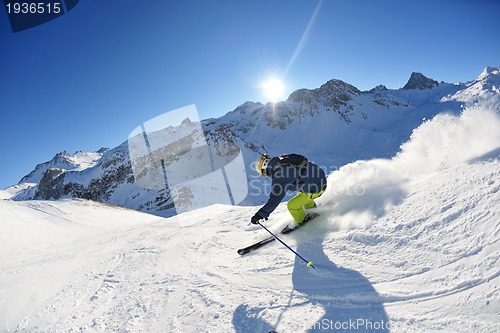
(302, 200)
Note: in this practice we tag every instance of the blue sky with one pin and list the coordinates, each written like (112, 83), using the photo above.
(88, 78)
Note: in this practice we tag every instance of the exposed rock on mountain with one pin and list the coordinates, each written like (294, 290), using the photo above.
(419, 81)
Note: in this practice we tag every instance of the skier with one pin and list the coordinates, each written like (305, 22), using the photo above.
(291, 172)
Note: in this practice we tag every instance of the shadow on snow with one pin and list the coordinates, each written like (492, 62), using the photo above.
(348, 299)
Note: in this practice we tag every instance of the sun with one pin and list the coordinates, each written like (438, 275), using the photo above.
(273, 89)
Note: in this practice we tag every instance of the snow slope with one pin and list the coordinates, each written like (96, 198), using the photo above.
(408, 244)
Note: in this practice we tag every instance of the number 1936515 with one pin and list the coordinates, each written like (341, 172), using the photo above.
(33, 8)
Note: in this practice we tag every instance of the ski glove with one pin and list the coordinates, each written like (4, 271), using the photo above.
(256, 218)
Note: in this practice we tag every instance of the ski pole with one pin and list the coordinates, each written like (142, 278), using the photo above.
(309, 263)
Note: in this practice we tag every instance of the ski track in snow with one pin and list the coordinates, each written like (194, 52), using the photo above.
(416, 250)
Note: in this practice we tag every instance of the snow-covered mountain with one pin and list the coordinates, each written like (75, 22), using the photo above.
(406, 244)
(28, 186)
(78, 161)
(333, 125)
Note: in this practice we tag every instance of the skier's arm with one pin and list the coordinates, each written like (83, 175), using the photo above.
(277, 194)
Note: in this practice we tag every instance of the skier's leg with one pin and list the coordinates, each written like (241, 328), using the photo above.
(296, 203)
(312, 204)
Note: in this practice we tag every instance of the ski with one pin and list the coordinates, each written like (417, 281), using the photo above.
(269, 239)
(255, 246)
(309, 217)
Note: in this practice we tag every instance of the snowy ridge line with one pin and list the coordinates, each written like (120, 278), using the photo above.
(382, 119)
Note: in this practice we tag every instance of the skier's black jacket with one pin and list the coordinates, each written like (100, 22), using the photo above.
(308, 179)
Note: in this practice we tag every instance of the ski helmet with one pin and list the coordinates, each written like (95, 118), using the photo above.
(262, 165)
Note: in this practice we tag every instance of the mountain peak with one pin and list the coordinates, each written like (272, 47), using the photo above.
(419, 81)
(338, 86)
(330, 89)
(186, 122)
(378, 88)
(488, 71)
(80, 160)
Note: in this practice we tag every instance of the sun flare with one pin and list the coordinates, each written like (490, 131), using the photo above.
(273, 89)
